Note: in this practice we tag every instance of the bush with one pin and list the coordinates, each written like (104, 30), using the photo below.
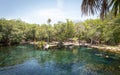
(41, 44)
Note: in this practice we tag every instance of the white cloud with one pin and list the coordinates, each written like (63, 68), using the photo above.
(56, 14)
(41, 16)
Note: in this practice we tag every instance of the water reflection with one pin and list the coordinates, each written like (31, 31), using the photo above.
(25, 60)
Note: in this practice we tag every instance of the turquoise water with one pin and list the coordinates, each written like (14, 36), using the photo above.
(25, 60)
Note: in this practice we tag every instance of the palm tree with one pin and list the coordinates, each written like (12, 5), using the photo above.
(48, 21)
(101, 6)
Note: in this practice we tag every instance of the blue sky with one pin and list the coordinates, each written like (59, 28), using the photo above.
(38, 11)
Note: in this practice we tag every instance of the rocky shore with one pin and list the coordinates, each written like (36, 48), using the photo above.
(115, 49)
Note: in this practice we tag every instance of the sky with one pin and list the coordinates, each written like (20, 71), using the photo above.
(38, 11)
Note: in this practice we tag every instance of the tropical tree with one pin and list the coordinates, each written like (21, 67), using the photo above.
(100, 6)
(79, 31)
(70, 29)
(48, 21)
(60, 30)
(44, 31)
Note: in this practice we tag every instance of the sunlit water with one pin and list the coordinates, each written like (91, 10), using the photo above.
(25, 60)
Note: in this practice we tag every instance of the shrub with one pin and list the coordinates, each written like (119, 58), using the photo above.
(41, 44)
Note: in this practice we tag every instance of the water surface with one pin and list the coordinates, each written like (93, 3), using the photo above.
(26, 60)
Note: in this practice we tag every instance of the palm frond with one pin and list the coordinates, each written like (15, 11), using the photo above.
(101, 6)
(115, 4)
(104, 9)
(90, 6)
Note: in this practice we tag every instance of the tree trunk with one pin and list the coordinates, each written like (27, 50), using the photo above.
(79, 40)
(91, 42)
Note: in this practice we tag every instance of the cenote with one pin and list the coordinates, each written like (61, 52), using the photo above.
(26, 60)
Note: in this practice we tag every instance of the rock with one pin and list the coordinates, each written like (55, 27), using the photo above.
(70, 47)
(60, 45)
(46, 46)
(106, 56)
(99, 54)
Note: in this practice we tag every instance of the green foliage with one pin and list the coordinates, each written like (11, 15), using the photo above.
(70, 29)
(41, 44)
(64, 31)
(60, 31)
(97, 31)
(91, 31)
